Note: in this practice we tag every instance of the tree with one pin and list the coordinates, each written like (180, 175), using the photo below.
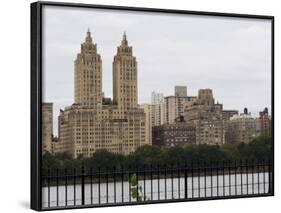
(258, 149)
(136, 191)
(230, 152)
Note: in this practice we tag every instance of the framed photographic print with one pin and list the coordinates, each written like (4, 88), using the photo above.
(141, 105)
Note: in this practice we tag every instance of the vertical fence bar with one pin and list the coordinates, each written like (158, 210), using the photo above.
(241, 176)
(269, 177)
(179, 196)
(198, 178)
(258, 176)
(49, 196)
(192, 179)
(122, 184)
(129, 178)
(185, 181)
(223, 179)
(144, 179)
(106, 178)
(165, 177)
(158, 180)
(217, 170)
(99, 179)
(91, 184)
(114, 182)
(205, 180)
(65, 185)
(211, 179)
(57, 182)
(247, 176)
(229, 178)
(264, 170)
(151, 182)
(172, 180)
(253, 179)
(74, 186)
(137, 180)
(235, 176)
(82, 186)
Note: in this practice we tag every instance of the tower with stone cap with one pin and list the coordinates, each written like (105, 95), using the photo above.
(88, 74)
(94, 122)
(125, 87)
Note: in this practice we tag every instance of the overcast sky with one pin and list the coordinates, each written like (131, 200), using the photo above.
(232, 56)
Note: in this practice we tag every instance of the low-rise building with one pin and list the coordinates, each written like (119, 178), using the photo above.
(175, 134)
(242, 128)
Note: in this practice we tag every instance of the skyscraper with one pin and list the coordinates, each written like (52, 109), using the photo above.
(148, 122)
(88, 74)
(94, 122)
(180, 91)
(157, 98)
(174, 105)
(125, 77)
(157, 109)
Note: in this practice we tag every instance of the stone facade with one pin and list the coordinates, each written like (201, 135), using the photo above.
(88, 74)
(154, 114)
(177, 134)
(242, 128)
(170, 109)
(125, 77)
(174, 105)
(265, 123)
(180, 91)
(245, 128)
(94, 122)
(207, 118)
(157, 98)
(227, 114)
(148, 122)
(157, 109)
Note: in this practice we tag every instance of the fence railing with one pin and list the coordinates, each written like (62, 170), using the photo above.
(150, 184)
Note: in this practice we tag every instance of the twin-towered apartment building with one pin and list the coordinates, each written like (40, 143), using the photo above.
(94, 122)
(121, 125)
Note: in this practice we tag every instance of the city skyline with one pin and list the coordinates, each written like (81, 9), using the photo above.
(187, 68)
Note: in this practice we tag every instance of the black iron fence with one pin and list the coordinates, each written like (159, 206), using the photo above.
(152, 184)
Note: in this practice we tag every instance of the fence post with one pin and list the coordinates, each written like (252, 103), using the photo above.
(122, 182)
(269, 178)
(185, 180)
(82, 186)
(65, 181)
(247, 176)
(137, 181)
(144, 173)
(49, 181)
(223, 179)
(57, 182)
(114, 182)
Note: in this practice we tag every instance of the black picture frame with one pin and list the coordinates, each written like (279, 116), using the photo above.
(36, 92)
